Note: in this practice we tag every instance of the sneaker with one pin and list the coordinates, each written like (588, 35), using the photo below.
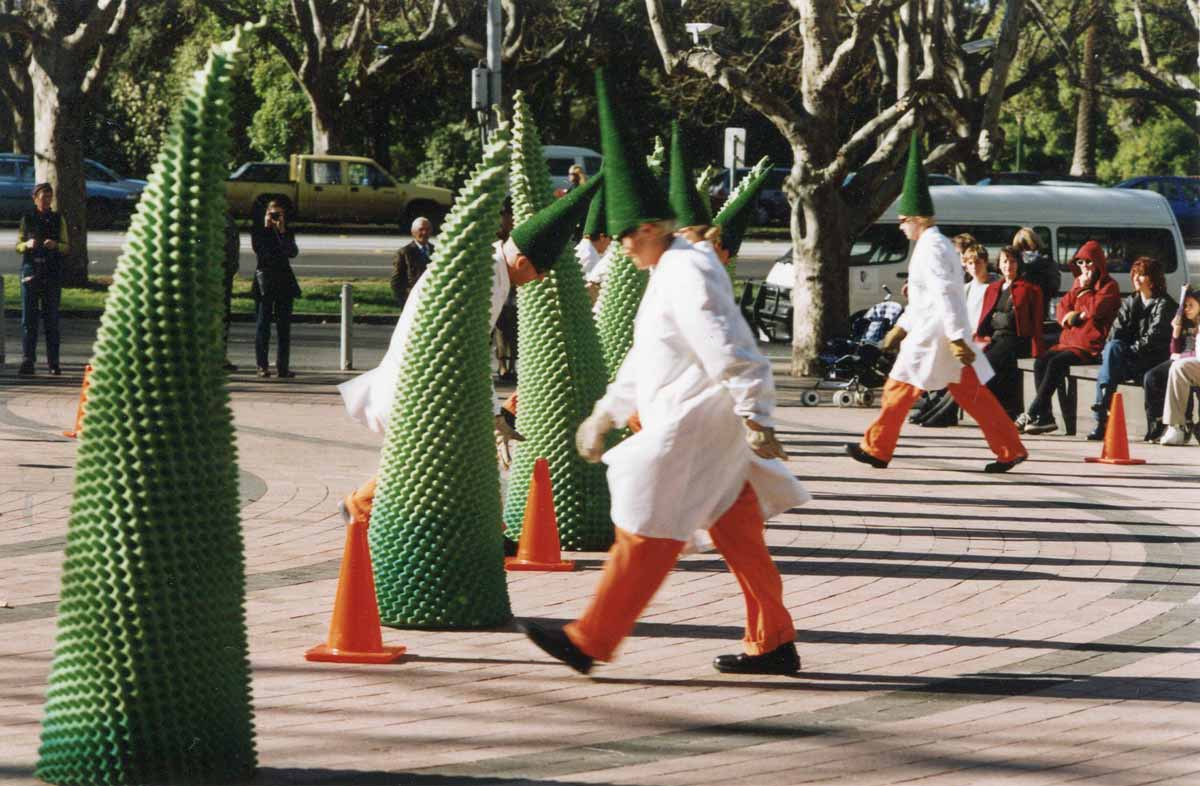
(264, 372)
(781, 660)
(1154, 431)
(1021, 422)
(1174, 436)
(26, 369)
(555, 643)
(1040, 426)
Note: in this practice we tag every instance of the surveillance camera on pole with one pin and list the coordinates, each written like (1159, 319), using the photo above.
(703, 30)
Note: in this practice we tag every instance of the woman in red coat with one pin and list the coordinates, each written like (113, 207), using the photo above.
(1010, 327)
(1086, 314)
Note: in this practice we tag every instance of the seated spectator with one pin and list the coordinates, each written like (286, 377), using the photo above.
(1085, 313)
(1139, 337)
(1169, 384)
(1010, 327)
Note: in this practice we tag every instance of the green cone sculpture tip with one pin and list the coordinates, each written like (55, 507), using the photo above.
(543, 236)
(561, 369)
(685, 200)
(632, 195)
(734, 217)
(597, 221)
(915, 199)
(150, 681)
(704, 183)
(657, 159)
(620, 298)
(435, 537)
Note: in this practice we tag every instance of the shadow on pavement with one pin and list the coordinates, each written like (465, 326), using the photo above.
(271, 776)
(979, 534)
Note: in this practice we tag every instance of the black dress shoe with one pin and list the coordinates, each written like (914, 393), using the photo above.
(1155, 431)
(510, 548)
(781, 660)
(858, 454)
(554, 642)
(55, 371)
(26, 369)
(1004, 466)
(1097, 434)
(284, 373)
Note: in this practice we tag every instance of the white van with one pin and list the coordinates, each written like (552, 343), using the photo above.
(560, 159)
(1128, 223)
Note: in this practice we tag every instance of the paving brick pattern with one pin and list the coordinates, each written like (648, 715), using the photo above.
(1041, 627)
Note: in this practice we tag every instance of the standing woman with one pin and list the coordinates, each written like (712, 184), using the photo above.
(41, 242)
(274, 289)
(1010, 327)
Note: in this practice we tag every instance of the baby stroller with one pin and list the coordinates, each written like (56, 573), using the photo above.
(855, 365)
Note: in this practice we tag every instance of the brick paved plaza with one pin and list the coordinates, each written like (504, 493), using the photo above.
(955, 627)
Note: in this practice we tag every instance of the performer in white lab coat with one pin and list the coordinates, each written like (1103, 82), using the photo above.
(706, 457)
(531, 250)
(937, 349)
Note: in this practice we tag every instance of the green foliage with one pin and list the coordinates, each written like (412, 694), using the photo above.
(281, 123)
(448, 150)
(150, 681)
(1163, 145)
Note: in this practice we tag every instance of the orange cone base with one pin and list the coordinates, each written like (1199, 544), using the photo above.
(71, 434)
(326, 654)
(1102, 460)
(516, 563)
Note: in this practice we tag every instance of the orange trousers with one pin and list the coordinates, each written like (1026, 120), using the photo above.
(975, 399)
(638, 565)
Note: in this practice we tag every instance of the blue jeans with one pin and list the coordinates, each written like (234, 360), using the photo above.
(279, 310)
(40, 297)
(1118, 363)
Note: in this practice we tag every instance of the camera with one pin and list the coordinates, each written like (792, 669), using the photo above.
(275, 215)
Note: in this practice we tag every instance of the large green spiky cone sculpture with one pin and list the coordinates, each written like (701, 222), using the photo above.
(734, 216)
(915, 199)
(689, 208)
(561, 368)
(435, 535)
(150, 681)
(619, 300)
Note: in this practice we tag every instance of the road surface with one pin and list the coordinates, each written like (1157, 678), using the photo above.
(340, 256)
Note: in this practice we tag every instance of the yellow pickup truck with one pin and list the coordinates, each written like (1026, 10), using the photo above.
(333, 189)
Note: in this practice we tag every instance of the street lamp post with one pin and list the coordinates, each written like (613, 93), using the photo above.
(485, 78)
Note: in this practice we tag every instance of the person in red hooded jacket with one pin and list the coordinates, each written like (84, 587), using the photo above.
(1086, 314)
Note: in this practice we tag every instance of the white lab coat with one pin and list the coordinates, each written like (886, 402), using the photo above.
(369, 397)
(587, 255)
(936, 315)
(694, 372)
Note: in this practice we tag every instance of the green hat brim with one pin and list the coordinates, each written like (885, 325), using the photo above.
(546, 233)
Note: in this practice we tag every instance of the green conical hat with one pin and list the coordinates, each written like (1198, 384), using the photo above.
(150, 681)
(734, 217)
(597, 217)
(543, 237)
(915, 199)
(632, 194)
(685, 201)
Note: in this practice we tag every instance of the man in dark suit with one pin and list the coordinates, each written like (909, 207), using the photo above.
(411, 260)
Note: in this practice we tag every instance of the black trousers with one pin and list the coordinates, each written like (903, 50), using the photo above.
(1002, 353)
(1049, 371)
(278, 310)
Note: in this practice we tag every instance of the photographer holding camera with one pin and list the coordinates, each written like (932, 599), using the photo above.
(274, 288)
(41, 242)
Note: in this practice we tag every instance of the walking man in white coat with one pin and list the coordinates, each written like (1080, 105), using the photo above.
(706, 457)
(934, 335)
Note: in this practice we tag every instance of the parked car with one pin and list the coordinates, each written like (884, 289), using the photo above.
(1035, 179)
(333, 189)
(560, 159)
(1182, 193)
(109, 201)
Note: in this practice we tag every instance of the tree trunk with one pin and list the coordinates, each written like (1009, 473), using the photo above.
(58, 153)
(820, 251)
(22, 130)
(1084, 162)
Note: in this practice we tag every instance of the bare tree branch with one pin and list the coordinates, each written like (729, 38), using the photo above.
(107, 49)
(866, 22)
(1002, 57)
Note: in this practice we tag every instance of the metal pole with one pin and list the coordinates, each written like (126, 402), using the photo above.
(495, 34)
(347, 354)
(2, 323)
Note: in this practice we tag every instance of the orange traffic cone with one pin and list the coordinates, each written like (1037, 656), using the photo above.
(539, 548)
(83, 390)
(1116, 437)
(354, 632)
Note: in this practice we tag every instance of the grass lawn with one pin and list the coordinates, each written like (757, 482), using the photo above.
(321, 296)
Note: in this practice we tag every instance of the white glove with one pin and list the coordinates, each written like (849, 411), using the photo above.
(589, 438)
(504, 435)
(763, 442)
